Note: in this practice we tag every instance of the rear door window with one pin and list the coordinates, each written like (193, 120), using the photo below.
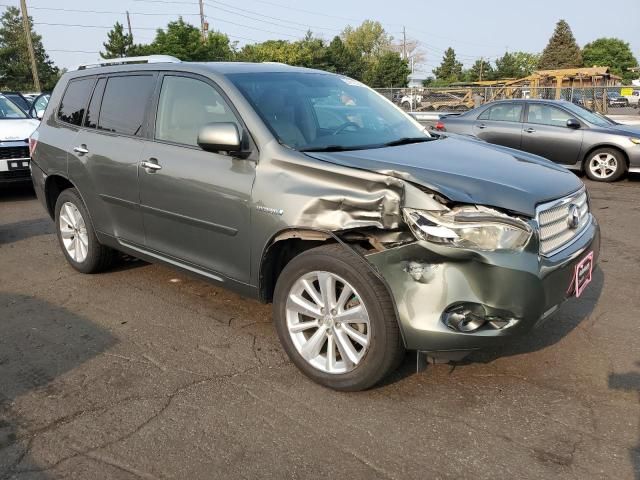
(124, 104)
(74, 101)
(504, 112)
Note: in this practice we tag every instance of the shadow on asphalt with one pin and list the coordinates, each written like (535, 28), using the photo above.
(16, 192)
(629, 382)
(38, 343)
(14, 232)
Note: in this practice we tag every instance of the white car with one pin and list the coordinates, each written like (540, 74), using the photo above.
(15, 129)
(634, 98)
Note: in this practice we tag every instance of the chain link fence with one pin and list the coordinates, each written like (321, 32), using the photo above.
(607, 100)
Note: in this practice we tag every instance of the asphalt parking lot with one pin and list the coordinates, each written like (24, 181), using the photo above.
(143, 372)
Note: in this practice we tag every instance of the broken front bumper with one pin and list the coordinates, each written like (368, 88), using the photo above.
(518, 289)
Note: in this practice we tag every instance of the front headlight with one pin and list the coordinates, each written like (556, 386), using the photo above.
(469, 227)
(635, 140)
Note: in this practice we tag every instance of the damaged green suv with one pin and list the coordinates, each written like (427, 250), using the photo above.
(311, 191)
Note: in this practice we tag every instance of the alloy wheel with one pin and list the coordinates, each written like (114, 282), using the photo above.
(327, 322)
(603, 165)
(73, 231)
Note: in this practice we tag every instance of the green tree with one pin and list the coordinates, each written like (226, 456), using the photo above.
(184, 41)
(369, 39)
(118, 43)
(281, 51)
(480, 70)
(15, 64)
(527, 62)
(388, 70)
(562, 51)
(507, 67)
(450, 70)
(343, 60)
(613, 53)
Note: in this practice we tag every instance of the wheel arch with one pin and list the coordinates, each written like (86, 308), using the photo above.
(54, 185)
(288, 243)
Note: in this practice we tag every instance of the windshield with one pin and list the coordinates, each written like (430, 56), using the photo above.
(316, 111)
(589, 116)
(9, 110)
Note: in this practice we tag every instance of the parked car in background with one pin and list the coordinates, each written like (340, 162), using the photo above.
(634, 98)
(19, 99)
(615, 100)
(15, 129)
(38, 105)
(312, 191)
(558, 130)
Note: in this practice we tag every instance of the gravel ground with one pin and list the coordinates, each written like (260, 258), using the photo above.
(143, 372)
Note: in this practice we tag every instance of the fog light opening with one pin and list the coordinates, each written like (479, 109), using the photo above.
(465, 318)
(472, 317)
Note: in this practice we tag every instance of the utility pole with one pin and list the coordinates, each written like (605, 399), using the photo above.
(404, 43)
(129, 25)
(481, 66)
(32, 55)
(202, 22)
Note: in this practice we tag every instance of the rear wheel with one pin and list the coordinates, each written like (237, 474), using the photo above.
(336, 320)
(605, 165)
(77, 237)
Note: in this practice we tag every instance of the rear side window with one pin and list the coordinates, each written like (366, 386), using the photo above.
(91, 119)
(124, 104)
(504, 112)
(74, 101)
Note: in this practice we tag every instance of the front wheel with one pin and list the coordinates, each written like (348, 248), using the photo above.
(605, 165)
(335, 319)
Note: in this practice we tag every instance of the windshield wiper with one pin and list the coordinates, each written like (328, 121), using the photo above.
(329, 148)
(407, 140)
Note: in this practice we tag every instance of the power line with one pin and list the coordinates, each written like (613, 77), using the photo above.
(134, 28)
(105, 12)
(307, 26)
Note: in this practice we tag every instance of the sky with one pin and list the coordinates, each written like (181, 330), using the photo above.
(474, 29)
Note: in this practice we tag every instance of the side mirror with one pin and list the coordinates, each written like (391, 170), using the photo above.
(573, 123)
(217, 137)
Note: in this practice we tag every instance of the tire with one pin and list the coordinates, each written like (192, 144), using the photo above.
(612, 166)
(384, 349)
(406, 106)
(73, 224)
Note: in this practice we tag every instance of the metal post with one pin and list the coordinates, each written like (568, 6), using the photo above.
(129, 25)
(27, 34)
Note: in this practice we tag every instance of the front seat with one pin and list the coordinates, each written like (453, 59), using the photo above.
(280, 115)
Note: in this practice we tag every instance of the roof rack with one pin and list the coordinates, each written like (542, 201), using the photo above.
(128, 60)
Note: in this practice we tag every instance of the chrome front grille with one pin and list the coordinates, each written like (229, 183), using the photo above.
(555, 221)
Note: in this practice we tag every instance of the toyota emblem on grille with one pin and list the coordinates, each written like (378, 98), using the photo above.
(573, 219)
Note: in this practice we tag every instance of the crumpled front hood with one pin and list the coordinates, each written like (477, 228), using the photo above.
(467, 171)
(12, 130)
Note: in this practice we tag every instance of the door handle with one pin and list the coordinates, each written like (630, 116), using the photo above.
(81, 149)
(151, 165)
(530, 130)
(482, 125)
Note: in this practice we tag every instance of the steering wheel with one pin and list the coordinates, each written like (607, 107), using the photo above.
(344, 126)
